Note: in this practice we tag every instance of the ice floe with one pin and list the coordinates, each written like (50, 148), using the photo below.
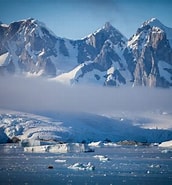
(60, 160)
(167, 144)
(82, 167)
(101, 158)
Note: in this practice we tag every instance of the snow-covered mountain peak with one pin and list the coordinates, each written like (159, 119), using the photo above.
(28, 47)
(31, 20)
(108, 26)
(27, 27)
(149, 27)
(106, 32)
(38, 23)
(151, 46)
(3, 25)
(153, 22)
(113, 32)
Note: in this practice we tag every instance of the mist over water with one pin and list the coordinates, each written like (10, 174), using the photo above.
(37, 94)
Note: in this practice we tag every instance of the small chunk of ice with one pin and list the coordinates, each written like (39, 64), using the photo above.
(60, 161)
(80, 166)
(102, 158)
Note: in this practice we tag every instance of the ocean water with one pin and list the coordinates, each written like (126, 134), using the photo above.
(141, 165)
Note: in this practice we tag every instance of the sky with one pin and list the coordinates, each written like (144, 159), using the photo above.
(75, 19)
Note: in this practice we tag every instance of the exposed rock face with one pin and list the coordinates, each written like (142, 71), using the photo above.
(105, 57)
(32, 49)
(106, 51)
(152, 52)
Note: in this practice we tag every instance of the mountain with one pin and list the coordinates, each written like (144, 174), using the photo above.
(29, 48)
(104, 57)
(153, 54)
(104, 61)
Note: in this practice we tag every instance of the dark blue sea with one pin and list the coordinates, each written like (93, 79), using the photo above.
(127, 165)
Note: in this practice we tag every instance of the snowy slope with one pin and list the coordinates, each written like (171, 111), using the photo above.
(76, 76)
(78, 127)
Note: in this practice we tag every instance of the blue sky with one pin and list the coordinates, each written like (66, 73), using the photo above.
(75, 19)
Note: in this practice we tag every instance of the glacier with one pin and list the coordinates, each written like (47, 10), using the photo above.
(85, 127)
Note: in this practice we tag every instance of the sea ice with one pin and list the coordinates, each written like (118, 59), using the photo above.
(167, 144)
(60, 160)
(81, 166)
(102, 158)
(96, 144)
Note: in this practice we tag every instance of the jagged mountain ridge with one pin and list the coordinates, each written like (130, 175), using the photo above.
(105, 57)
(152, 52)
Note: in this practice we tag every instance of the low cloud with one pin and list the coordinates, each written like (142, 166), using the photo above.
(35, 94)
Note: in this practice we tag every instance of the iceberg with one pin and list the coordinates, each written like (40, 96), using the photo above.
(59, 148)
